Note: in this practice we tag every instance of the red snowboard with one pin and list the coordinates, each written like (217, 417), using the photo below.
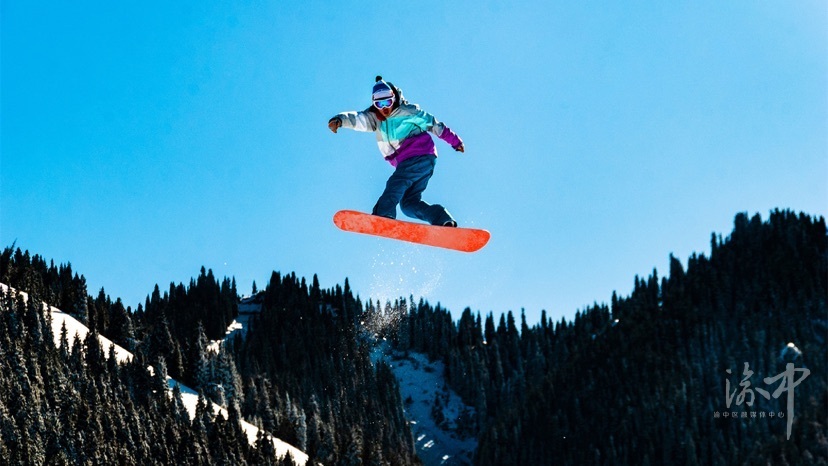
(458, 239)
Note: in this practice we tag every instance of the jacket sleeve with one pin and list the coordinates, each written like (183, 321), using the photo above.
(435, 127)
(358, 121)
(447, 135)
(440, 130)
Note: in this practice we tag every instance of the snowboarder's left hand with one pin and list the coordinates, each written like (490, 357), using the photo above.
(460, 148)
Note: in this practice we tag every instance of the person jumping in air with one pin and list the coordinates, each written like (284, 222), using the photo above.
(402, 136)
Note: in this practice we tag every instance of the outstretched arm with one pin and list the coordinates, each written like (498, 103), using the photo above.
(358, 121)
(446, 134)
(440, 130)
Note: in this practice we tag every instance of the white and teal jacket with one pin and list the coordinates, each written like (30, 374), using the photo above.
(404, 134)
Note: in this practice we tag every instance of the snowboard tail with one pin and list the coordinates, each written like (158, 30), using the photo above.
(458, 239)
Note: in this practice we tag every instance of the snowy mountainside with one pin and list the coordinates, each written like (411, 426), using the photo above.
(433, 410)
(248, 308)
(188, 396)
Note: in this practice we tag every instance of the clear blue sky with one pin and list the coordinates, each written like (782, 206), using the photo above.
(142, 140)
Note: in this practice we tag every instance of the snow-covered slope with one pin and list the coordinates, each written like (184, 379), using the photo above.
(438, 438)
(249, 307)
(188, 395)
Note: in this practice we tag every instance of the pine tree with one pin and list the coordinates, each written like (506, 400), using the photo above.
(120, 329)
(228, 377)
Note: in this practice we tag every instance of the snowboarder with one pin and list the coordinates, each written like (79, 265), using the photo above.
(402, 136)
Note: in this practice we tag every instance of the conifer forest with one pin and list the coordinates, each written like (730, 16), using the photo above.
(720, 360)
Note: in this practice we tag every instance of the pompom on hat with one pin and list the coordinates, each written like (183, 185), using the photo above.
(381, 90)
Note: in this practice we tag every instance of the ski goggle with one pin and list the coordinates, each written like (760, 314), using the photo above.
(384, 103)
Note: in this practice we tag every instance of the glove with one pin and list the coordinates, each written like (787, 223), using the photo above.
(334, 124)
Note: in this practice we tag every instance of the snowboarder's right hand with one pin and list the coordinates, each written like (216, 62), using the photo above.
(334, 124)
